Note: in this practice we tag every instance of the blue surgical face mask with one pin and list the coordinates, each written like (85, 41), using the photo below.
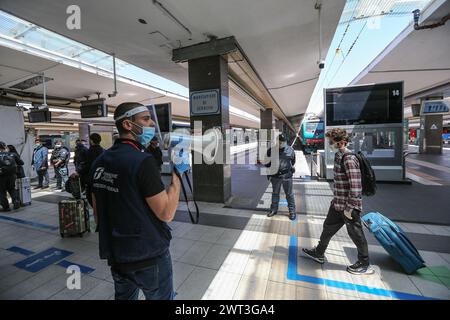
(146, 136)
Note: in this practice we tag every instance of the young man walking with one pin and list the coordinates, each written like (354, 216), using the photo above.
(346, 205)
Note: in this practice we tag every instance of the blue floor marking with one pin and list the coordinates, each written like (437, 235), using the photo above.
(83, 269)
(30, 223)
(283, 203)
(63, 263)
(23, 251)
(42, 259)
(293, 275)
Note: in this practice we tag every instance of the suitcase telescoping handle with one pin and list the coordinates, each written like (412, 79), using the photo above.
(85, 208)
(367, 223)
(79, 184)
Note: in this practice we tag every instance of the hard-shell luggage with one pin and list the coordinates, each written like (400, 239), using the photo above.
(394, 241)
(23, 186)
(73, 217)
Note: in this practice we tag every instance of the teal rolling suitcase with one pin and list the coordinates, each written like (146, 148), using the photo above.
(394, 241)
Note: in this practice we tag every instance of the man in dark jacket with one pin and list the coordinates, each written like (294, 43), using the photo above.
(95, 149)
(8, 166)
(60, 161)
(283, 177)
(80, 160)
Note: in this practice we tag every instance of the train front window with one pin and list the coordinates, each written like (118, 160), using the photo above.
(311, 127)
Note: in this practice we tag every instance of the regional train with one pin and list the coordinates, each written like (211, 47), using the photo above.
(312, 134)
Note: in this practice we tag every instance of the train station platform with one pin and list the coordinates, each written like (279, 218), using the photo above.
(429, 176)
(238, 253)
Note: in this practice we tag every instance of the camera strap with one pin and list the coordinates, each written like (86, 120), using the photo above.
(197, 213)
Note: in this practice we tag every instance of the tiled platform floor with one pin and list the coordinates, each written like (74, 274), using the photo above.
(218, 263)
(256, 261)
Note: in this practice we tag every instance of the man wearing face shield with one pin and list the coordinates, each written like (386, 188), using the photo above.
(346, 206)
(132, 208)
(283, 177)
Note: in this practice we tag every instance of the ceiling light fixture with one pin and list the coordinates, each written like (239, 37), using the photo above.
(64, 110)
(31, 82)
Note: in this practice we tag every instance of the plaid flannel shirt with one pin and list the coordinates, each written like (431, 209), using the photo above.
(347, 183)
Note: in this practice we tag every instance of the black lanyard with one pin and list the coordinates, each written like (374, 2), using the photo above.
(197, 213)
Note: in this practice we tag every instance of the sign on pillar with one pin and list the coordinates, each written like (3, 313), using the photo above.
(205, 102)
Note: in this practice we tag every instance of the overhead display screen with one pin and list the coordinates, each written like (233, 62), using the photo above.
(372, 104)
(39, 116)
(164, 115)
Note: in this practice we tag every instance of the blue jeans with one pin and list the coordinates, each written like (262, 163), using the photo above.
(155, 281)
(43, 178)
(288, 190)
(62, 175)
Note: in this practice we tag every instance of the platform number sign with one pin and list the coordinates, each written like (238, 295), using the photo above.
(395, 93)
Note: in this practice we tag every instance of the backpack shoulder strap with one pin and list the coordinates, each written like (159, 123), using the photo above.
(343, 159)
(345, 155)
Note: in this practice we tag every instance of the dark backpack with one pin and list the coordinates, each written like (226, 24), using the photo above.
(368, 179)
(7, 163)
